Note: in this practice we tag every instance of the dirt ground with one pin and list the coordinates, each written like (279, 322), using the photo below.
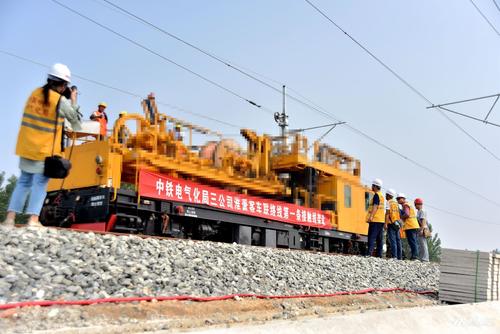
(182, 316)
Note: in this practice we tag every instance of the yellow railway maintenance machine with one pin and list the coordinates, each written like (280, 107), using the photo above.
(147, 177)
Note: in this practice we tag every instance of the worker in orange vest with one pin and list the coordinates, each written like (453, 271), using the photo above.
(100, 116)
(393, 224)
(410, 225)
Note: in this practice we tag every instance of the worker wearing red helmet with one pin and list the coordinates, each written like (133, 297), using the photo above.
(424, 232)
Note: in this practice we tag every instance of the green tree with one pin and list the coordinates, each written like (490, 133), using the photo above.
(6, 189)
(434, 246)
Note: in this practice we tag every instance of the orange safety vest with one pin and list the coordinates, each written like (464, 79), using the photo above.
(393, 211)
(411, 222)
(102, 120)
(35, 140)
(379, 216)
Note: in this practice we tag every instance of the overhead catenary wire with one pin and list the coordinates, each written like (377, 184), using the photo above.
(211, 55)
(246, 72)
(316, 107)
(363, 134)
(203, 116)
(329, 115)
(485, 18)
(472, 137)
(480, 221)
(225, 62)
(130, 40)
(447, 211)
(420, 165)
(451, 213)
(431, 171)
(400, 78)
(205, 52)
(496, 5)
(123, 91)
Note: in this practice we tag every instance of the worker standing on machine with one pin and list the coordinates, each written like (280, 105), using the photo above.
(376, 219)
(393, 225)
(100, 116)
(410, 225)
(424, 232)
(123, 131)
(178, 132)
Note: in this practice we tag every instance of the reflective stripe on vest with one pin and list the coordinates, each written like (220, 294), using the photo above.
(379, 216)
(35, 140)
(50, 122)
(411, 222)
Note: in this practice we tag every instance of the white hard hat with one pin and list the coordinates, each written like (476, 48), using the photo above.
(377, 182)
(401, 195)
(391, 192)
(60, 72)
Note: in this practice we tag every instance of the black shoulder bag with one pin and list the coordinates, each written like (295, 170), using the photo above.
(56, 167)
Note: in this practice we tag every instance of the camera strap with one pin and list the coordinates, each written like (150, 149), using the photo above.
(55, 128)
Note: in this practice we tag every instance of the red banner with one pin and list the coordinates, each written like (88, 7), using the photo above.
(163, 187)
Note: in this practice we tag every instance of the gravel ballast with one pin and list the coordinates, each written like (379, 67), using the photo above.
(50, 264)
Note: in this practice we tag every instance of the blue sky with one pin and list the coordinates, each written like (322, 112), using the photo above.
(444, 48)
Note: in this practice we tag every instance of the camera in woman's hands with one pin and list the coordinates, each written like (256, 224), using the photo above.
(67, 93)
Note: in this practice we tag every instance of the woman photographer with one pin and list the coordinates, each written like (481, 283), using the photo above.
(40, 136)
